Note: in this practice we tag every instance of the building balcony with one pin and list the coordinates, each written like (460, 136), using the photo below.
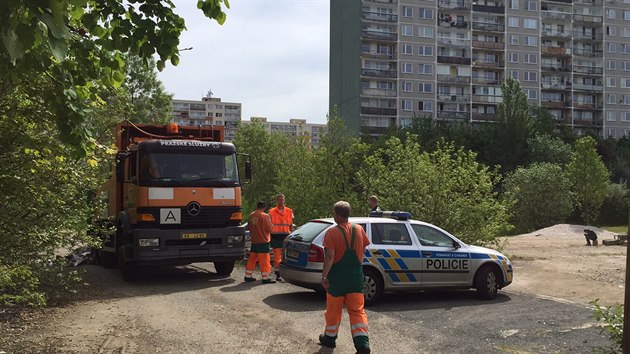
(555, 51)
(586, 105)
(487, 98)
(555, 33)
(453, 5)
(556, 86)
(484, 117)
(588, 2)
(377, 16)
(578, 35)
(483, 63)
(455, 42)
(378, 92)
(488, 27)
(452, 115)
(453, 98)
(390, 74)
(378, 111)
(586, 123)
(380, 35)
(453, 60)
(442, 22)
(377, 55)
(482, 80)
(488, 45)
(565, 68)
(384, 2)
(555, 104)
(586, 87)
(587, 70)
(452, 79)
(588, 53)
(491, 9)
(588, 18)
(556, 15)
(562, 1)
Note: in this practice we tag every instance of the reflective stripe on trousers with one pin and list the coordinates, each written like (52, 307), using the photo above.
(334, 311)
(264, 262)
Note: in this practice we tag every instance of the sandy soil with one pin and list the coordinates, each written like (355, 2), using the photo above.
(555, 262)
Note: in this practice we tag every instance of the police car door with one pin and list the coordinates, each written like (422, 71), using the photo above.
(442, 263)
(392, 251)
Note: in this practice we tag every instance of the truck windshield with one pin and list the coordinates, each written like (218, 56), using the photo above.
(188, 169)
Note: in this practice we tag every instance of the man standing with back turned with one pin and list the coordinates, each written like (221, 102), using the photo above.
(259, 226)
(282, 220)
(342, 277)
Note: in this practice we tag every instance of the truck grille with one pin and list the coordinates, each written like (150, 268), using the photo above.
(208, 217)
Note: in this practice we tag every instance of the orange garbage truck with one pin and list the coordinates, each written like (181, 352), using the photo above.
(174, 198)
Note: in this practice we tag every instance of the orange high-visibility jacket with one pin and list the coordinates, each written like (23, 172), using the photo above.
(281, 220)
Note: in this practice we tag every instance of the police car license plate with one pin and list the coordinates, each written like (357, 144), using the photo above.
(194, 235)
(293, 254)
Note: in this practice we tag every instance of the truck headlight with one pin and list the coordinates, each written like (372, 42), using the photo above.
(149, 242)
(235, 239)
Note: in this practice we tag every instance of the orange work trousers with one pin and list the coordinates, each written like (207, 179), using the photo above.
(277, 258)
(358, 318)
(264, 262)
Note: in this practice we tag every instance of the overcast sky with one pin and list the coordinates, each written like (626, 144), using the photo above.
(270, 55)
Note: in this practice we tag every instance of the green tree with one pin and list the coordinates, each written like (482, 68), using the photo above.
(78, 45)
(540, 195)
(149, 101)
(548, 148)
(589, 179)
(446, 187)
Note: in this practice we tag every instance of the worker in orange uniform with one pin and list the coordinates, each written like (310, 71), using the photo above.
(259, 226)
(342, 277)
(282, 220)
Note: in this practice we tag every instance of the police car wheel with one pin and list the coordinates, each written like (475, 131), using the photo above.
(487, 283)
(372, 286)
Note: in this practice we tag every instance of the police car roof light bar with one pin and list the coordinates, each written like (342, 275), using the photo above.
(398, 215)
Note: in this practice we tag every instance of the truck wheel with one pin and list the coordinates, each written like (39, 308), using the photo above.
(224, 268)
(487, 283)
(107, 259)
(372, 286)
(128, 270)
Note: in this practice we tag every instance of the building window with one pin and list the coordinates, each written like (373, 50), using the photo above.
(625, 32)
(626, 15)
(530, 23)
(406, 86)
(610, 82)
(426, 32)
(531, 6)
(514, 4)
(425, 87)
(407, 49)
(425, 106)
(611, 14)
(625, 99)
(407, 30)
(530, 76)
(407, 11)
(531, 58)
(425, 50)
(625, 48)
(407, 68)
(611, 116)
(611, 31)
(611, 47)
(531, 41)
(625, 65)
(610, 65)
(624, 82)
(532, 94)
(612, 99)
(513, 21)
(425, 13)
(513, 57)
(514, 39)
(514, 74)
(425, 69)
(407, 105)
(625, 116)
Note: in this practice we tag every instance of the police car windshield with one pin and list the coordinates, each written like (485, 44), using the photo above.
(308, 231)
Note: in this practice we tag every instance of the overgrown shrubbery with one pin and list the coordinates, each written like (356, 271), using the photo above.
(611, 318)
(614, 210)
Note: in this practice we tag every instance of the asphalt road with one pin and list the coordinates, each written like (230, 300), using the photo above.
(193, 310)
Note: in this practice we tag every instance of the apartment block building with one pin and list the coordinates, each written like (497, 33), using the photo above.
(295, 127)
(208, 111)
(394, 60)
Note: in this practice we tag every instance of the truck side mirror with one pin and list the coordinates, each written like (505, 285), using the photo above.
(248, 169)
(120, 166)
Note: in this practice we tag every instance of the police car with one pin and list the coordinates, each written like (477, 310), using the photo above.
(404, 254)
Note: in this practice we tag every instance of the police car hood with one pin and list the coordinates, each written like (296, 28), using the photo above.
(478, 249)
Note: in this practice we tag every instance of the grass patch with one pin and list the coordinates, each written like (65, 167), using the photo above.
(616, 229)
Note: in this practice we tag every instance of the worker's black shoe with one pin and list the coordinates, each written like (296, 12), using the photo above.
(278, 278)
(268, 281)
(249, 279)
(327, 341)
(363, 350)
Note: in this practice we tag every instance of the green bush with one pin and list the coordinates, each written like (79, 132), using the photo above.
(614, 211)
(612, 318)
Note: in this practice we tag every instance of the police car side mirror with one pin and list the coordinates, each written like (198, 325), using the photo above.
(456, 245)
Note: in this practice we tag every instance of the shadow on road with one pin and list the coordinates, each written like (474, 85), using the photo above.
(300, 301)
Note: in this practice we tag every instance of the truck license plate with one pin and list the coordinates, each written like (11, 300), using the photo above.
(293, 254)
(194, 235)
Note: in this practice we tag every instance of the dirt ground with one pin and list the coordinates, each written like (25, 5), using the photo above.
(556, 262)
